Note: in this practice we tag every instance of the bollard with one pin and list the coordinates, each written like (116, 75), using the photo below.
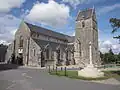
(61, 68)
(49, 68)
(53, 67)
(56, 70)
(65, 71)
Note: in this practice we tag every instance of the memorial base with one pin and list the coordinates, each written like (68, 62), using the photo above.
(90, 72)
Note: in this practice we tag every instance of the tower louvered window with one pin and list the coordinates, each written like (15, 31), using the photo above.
(83, 24)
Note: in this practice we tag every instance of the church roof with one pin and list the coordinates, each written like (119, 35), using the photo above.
(53, 45)
(84, 14)
(47, 32)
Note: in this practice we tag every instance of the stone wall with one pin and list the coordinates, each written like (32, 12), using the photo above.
(34, 52)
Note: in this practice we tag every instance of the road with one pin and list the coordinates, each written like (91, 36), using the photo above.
(34, 79)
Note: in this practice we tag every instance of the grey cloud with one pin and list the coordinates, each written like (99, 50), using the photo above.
(8, 24)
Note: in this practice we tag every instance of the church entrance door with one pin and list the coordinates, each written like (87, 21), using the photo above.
(20, 59)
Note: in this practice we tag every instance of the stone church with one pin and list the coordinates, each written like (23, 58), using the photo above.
(38, 46)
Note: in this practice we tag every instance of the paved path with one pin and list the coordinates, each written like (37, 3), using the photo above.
(35, 79)
(2, 63)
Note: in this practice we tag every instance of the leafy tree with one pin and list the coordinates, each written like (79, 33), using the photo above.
(108, 57)
(111, 57)
(111, 52)
(3, 49)
(115, 23)
(118, 58)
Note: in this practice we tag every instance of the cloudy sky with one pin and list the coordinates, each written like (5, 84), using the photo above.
(58, 15)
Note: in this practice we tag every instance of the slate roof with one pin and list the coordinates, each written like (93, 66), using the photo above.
(84, 14)
(53, 45)
(51, 33)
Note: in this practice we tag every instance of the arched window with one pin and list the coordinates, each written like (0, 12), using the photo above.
(47, 53)
(79, 47)
(83, 24)
(34, 52)
(21, 41)
(52, 55)
(37, 35)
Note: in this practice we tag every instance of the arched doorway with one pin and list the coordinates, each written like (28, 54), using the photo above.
(20, 61)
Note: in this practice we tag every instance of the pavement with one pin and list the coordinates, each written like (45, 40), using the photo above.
(2, 63)
(16, 78)
(111, 81)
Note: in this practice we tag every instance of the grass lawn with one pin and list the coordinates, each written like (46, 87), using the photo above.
(74, 75)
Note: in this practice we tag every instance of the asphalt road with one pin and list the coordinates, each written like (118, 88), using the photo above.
(31, 79)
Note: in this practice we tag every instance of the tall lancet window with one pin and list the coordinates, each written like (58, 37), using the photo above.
(47, 53)
(79, 47)
(21, 41)
(34, 51)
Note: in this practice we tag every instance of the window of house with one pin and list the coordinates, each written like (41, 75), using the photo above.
(61, 54)
(47, 53)
(34, 52)
(37, 35)
(21, 41)
(52, 55)
(80, 48)
(83, 24)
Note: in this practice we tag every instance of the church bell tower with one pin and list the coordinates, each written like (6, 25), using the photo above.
(86, 31)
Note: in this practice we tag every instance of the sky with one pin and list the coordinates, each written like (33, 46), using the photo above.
(59, 15)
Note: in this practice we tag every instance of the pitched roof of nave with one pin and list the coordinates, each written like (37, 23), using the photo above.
(84, 14)
(50, 33)
(53, 45)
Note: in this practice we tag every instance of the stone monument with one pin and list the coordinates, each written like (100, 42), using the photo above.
(90, 70)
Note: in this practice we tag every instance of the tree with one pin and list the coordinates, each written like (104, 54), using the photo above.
(111, 56)
(115, 23)
(111, 52)
(118, 58)
(102, 57)
(108, 57)
(3, 50)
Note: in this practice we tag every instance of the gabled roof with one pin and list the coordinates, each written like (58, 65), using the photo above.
(50, 33)
(85, 14)
(53, 45)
